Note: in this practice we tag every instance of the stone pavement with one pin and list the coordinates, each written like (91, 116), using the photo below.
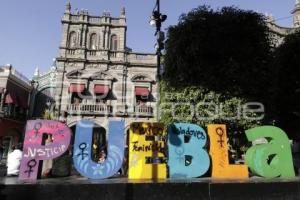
(77, 187)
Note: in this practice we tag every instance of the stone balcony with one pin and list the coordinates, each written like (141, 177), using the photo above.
(89, 109)
(105, 54)
(116, 56)
(137, 58)
(134, 111)
(74, 53)
(89, 54)
(107, 110)
(97, 54)
(143, 111)
(95, 20)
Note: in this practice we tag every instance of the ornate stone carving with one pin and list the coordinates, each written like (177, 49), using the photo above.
(76, 74)
(96, 66)
(116, 67)
(101, 76)
(141, 78)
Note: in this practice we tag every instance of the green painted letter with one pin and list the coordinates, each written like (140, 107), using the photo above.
(272, 159)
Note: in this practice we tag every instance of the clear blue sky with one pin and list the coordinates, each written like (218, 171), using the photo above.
(31, 29)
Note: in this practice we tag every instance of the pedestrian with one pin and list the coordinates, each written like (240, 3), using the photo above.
(47, 164)
(14, 161)
(102, 157)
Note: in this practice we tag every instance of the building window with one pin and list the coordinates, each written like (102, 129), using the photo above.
(76, 98)
(77, 91)
(9, 105)
(72, 40)
(141, 95)
(114, 43)
(93, 39)
(101, 92)
(141, 100)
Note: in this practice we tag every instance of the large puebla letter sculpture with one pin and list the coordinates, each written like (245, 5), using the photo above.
(34, 151)
(83, 147)
(147, 151)
(157, 151)
(219, 154)
(187, 158)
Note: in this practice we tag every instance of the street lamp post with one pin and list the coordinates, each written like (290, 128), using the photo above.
(156, 20)
(48, 104)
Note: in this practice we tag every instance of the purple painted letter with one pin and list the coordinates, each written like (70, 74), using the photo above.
(34, 151)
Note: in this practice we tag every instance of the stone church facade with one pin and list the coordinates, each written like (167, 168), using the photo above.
(98, 77)
(278, 33)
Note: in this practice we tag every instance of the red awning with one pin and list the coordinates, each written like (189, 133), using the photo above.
(101, 89)
(10, 98)
(76, 88)
(142, 91)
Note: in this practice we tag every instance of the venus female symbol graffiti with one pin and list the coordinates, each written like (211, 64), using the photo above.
(219, 154)
(37, 127)
(82, 150)
(34, 151)
(220, 133)
(31, 164)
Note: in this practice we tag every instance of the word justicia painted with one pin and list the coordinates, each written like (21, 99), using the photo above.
(49, 152)
(157, 151)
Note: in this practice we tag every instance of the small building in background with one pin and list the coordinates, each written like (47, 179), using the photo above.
(43, 94)
(15, 90)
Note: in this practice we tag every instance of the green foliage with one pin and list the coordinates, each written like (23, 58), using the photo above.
(199, 105)
(227, 50)
(287, 62)
(188, 105)
(217, 60)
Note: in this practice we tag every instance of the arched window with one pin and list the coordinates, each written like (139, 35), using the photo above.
(72, 40)
(93, 39)
(114, 43)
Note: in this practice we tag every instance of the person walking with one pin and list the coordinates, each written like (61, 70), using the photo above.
(14, 161)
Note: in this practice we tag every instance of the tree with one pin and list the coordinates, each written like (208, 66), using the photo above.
(288, 99)
(227, 50)
(217, 59)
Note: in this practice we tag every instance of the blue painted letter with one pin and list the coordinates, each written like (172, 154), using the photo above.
(187, 158)
(82, 150)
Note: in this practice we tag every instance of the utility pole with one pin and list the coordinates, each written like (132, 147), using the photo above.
(156, 20)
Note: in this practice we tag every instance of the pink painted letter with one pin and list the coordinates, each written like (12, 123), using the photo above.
(34, 151)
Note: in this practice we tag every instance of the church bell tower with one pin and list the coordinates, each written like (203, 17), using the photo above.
(296, 13)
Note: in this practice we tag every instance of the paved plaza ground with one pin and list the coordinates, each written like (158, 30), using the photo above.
(77, 187)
